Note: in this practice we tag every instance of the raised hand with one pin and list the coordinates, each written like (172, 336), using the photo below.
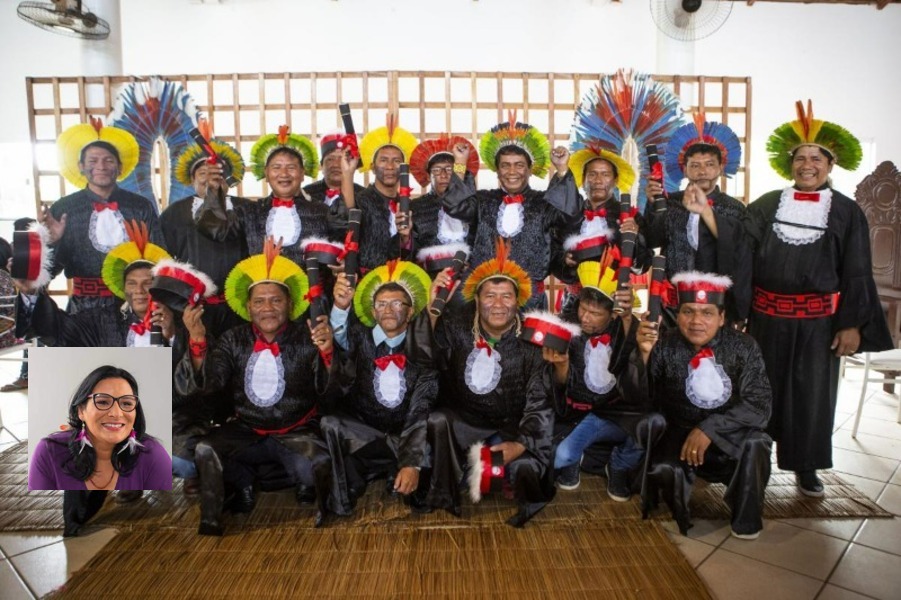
(55, 228)
(560, 159)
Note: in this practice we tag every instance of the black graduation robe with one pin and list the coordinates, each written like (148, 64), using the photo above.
(726, 254)
(544, 211)
(802, 368)
(337, 209)
(250, 219)
(80, 253)
(377, 244)
(430, 224)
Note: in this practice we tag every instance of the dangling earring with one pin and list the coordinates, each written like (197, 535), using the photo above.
(82, 437)
(132, 444)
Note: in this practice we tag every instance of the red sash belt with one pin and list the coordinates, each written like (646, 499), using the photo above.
(577, 405)
(284, 430)
(89, 286)
(795, 306)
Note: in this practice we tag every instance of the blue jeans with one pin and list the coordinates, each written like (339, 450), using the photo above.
(183, 468)
(626, 454)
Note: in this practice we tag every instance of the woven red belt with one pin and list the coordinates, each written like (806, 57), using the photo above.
(795, 306)
(89, 286)
(284, 430)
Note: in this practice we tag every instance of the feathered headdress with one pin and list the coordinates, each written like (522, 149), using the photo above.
(271, 142)
(194, 155)
(70, 143)
(521, 135)
(268, 267)
(625, 112)
(499, 266)
(389, 135)
(601, 275)
(700, 131)
(593, 151)
(138, 251)
(835, 139)
(426, 152)
(409, 276)
(179, 284)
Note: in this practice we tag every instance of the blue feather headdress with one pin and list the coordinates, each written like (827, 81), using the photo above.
(700, 132)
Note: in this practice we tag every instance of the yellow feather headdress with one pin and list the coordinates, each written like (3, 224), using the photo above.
(499, 266)
(268, 267)
(138, 250)
(389, 135)
(70, 143)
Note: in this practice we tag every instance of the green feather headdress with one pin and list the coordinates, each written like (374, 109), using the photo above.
(188, 158)
(268, 267)
(271, 142)
(807, 131)
(522, 135)
(409, 276)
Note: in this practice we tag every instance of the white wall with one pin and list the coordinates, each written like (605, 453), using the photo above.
(841, 56)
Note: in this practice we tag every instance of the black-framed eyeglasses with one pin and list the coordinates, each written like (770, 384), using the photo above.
(127, 402)
(381, 305)
(436, 171)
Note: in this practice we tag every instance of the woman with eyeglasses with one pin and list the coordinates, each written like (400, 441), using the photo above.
(107, 447)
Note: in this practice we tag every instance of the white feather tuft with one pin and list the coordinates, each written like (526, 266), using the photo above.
(475, 472)
(574, 240)
(446, 250)
(315, 240)
(690, 277)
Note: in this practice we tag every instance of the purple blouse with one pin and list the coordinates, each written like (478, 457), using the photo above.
(153, 470)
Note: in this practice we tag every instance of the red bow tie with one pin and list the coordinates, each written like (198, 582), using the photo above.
(139, 328)
(808, 196)
(481, 343)
(289, 203)
(398, 359)
(517, 199)
(143, 326)
(332, 193)
(260, 344)
(392, 206)
(594, 214)
(100, 206)
(604, 338)
(704, 353)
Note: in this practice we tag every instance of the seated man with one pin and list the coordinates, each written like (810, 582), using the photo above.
(379, 425)
(500, 393)
(270, 369)
(710, 383)
(593, 408)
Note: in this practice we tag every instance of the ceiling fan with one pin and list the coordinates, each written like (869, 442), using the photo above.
(65, 17)
(690, 20)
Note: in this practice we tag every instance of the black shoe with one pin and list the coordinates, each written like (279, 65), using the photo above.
(126, 496)
(305, 494)
(809, 484)
(389, 487)
(243, 501)
(619, 487)
(210, 528)
(569, 478)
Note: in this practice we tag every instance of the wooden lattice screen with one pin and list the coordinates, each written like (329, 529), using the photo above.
(242, 107)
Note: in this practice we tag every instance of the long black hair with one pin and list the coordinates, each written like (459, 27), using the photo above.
(83, 460)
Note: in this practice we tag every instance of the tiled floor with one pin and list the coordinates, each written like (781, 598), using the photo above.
(797, 559)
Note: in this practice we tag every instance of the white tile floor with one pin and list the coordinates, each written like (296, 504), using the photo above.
(797, 559)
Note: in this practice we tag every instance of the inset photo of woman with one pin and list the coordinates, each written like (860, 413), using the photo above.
(100, 419)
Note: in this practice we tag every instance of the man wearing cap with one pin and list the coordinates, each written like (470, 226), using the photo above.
(86, 225)
(286, 215)
(387, 384)
(274, 370)
(815, 299)
(328, 189)
(432, 163)
(701, 229)
(515, 212)
(183, 240)
(710, 384)
(385, 231)
(590, 405)
(500, 394)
